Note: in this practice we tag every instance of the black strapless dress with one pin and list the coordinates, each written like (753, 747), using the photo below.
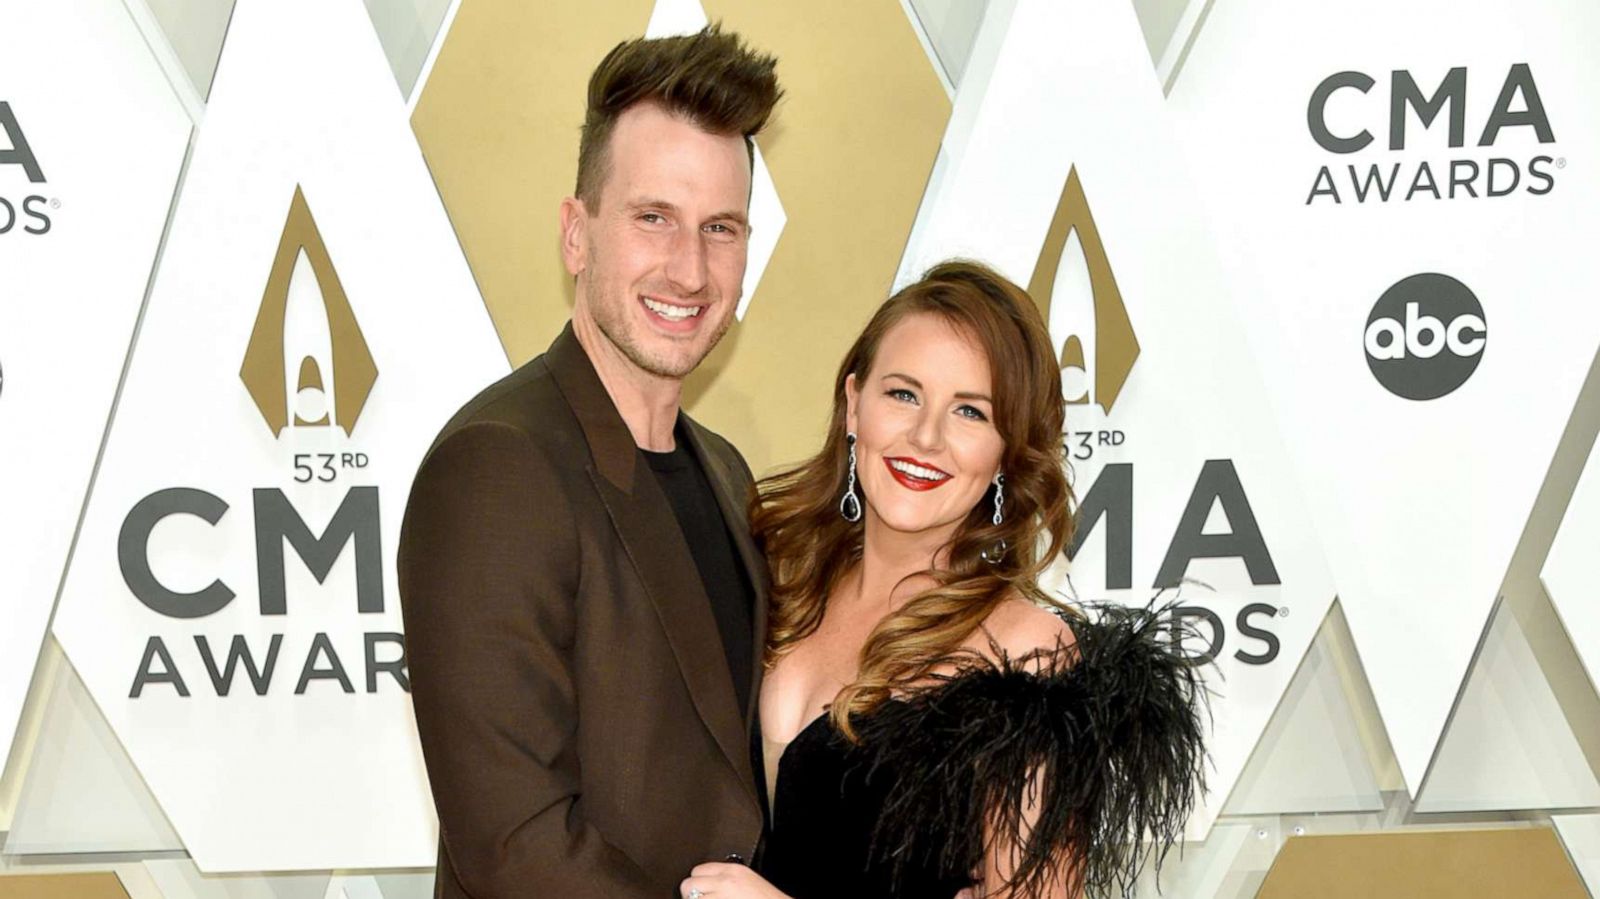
(1110, 729)
(825, 810)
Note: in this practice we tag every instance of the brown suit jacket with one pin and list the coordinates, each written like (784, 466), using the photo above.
(577, 715)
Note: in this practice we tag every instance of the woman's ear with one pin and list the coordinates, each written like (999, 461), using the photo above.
(852, 402)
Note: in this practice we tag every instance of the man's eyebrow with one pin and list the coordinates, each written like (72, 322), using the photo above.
(962, 395)
(731, 215)
(651, 203)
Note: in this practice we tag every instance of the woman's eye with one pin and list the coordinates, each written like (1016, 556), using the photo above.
(902, 394)
(972, 412)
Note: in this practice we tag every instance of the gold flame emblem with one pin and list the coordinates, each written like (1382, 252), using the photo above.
(263, 370)
(1116, 347)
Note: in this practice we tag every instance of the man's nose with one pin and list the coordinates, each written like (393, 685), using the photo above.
(686, 262)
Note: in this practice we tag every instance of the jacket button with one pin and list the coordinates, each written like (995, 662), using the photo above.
(735, 858)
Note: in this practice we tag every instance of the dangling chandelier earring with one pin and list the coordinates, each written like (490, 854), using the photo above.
(995, 553)
(850, 504)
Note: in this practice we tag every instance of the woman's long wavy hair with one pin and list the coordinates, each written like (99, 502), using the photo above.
(810, 546)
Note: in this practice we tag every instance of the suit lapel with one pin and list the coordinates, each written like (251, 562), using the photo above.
(655, 546)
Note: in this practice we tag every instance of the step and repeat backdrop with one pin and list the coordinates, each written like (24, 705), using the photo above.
(1318, 280)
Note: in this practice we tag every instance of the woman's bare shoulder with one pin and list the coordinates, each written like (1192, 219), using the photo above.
(1020, 626)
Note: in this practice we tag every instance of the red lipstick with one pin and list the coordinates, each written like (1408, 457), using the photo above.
(911, 481)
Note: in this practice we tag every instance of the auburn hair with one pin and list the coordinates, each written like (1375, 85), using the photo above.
(810, 546)
(712, 78)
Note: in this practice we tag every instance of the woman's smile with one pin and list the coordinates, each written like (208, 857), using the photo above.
(913, 474)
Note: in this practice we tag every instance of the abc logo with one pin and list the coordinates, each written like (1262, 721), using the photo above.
(1425, 336)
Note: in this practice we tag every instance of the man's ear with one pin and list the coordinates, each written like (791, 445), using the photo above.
(574, 235)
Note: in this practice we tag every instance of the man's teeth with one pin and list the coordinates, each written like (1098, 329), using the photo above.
(917, 471)
(676, 313)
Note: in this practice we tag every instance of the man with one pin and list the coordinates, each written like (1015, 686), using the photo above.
(584, 606)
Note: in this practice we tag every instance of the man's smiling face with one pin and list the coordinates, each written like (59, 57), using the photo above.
(660, 261)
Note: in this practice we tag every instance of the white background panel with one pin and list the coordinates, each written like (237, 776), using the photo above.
(1419, 503)
(1072, 86)
(1509, 744)
(409, 31)
(193, 31)
(1311, 757)
(108, 137)
(948, 29)
(1572, 570)
(81, 792)
(303, 97)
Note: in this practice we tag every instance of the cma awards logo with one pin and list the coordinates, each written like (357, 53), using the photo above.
(27, 213)
(1341, 114)
(1095, 366)
(302, 283)
(265, 371)
(1425, 336)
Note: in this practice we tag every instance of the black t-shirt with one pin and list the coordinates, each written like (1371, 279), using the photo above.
(684, 481)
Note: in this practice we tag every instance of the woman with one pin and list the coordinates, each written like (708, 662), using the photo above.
(932, 725)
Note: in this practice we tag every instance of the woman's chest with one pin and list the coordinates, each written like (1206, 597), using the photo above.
(806, 679)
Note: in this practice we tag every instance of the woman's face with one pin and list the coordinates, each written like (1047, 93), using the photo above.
(926, 443)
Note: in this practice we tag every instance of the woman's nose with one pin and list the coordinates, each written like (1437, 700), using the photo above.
(927, 432)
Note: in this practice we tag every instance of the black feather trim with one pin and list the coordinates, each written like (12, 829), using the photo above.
(1104, 738)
